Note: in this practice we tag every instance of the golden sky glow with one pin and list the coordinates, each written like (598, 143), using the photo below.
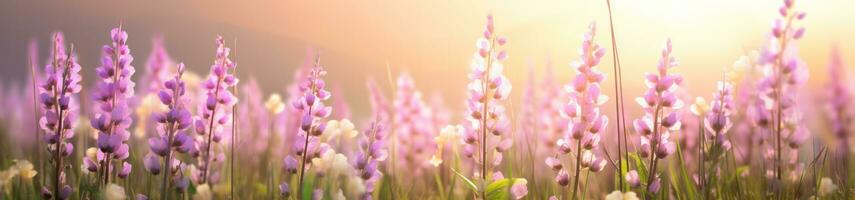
(433, 40)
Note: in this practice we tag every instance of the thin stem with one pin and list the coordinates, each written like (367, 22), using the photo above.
(167, 167)
(234, 132)
(116, 72)
(621, 124)
(308, 133)
(36, 115)
(210, 130)
(779, 61)
(59, 130)
(484, 115)
(654, 144)
(578, 166)
(701, 168)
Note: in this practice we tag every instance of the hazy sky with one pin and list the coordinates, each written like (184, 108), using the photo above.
(432, 40)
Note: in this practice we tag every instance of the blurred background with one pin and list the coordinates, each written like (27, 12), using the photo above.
(431, 40)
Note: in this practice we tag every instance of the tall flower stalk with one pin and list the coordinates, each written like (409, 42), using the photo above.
(487, 117)
(783, 71)
(840, 116)
(313, 112)
(551, 125)
(59, 115)
(113, 113)
(715, 144)
(171, 136)
(661, 116)
(213, 119)
(157, 67)
(584, 112)
(413, 127)
(372, 151)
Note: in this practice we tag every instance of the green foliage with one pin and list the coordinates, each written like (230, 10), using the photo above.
(468, 182)
(688, 186)
(500, 190)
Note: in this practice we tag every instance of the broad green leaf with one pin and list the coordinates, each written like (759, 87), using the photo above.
(466, 180)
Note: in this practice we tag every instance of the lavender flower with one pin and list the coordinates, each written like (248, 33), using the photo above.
(157, 70)
(313, 112)
(113, 114)
(380, 107)
(586, 121)
(715, 143)
(783, 73)
(413, 127)
(718, 121)
(528, 113)
(171, 136)
(158, 66)
(745, 98)
(541, 120)
(367, 160)
(839, 113)
(256, 120)
(292, 116)
(59, 115)
(661, 115)
(485, 116)
(213, 119)
(552, 101)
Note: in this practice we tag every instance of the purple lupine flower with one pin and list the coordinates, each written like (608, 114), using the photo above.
(59, 114)
(157, 69)
(745, 96)
(113, 114)
(213, 114)
(784, 72)
(586, 121)
(158, 66)
(486, 116)
(550, 124)
(313, 111)
(632, 179)
(371, 152)
(661, 114)
(255, 121)
(284, 189)
(171, 132)
(380, 106)
(21, 120)
(840, 114)
(529, 121)
(413, 127)
(292, 116)
(717, 123)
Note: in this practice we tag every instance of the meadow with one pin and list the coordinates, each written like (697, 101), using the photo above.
(155, 129)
